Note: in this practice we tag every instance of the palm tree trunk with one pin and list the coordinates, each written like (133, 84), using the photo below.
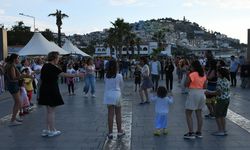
(59, 36)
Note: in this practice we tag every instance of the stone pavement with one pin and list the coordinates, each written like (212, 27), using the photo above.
(83, 122)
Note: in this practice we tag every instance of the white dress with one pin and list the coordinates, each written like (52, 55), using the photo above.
(112, 92)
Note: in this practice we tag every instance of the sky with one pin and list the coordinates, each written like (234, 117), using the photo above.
(230, 17)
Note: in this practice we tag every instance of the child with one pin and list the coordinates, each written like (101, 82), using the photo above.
(137, 75)
(112, 98)
(162, 102)
(24, 98)
(70, 80)
(28, 84)
(222, 100)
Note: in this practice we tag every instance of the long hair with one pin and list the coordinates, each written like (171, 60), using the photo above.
(224, 73)
(112, 69)
(197, 67)
(11, 58)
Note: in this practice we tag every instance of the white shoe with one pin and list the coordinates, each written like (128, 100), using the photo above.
(45, 133)
(15, 123)
(86, 95)
(93, 96)
(54, 133)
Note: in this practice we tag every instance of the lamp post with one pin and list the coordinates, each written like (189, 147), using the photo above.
(34, 19)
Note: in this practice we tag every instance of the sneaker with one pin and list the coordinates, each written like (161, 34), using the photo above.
(219, 133)
(210, 116)
(110, 136)
(157, 133)
(189, 135)
(45, 133)
(53, 133)
(15, 123)
(93, 96)
(19, 119)
(86, 95)
(198, 135)
(21, 114)
(120, 135)
(165, 131)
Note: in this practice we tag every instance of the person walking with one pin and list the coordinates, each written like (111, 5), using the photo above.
(49, 92)
(196, 82)
(146, 82)
(112, 98)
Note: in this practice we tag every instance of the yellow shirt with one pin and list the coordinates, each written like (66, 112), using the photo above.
(28, 84)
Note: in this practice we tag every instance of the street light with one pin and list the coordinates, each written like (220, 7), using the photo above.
(30, 17)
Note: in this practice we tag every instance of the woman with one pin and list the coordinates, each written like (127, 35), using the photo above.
(112, 98)
(196, 81)
(211, 87)
(12, 77)
(146, 82)
(169, 68)
(49, 91)
(89, 78)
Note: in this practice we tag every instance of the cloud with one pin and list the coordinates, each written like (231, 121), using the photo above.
(122, 2)
(2, 11)
(228, 4)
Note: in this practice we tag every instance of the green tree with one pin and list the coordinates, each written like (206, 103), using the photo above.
(19, 34)
(59, 16)
(138, 43)
(47, 33)
(159, 37)
(118, 33)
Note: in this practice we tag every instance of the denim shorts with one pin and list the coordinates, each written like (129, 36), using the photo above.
(13, 87)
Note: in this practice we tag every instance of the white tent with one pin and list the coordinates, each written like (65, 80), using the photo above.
(68, 46)
(39, 45)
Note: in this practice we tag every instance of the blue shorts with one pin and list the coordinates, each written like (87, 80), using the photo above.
(13, 87)
(161, 121)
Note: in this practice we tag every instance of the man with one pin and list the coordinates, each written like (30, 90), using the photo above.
(234, 66)
(155, 68)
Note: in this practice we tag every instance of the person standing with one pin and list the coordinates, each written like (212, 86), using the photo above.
(155, 68)
(89, 78)
(49, 92)
(146, 82)
(234, 66)
(12, 77)
(169, 68)
(223, 99)
(112, 98)
(196, 82)
(162, 102)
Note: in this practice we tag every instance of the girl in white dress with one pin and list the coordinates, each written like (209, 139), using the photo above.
(112, 97)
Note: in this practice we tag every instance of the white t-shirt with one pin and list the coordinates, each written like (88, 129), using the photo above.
(154, 69)
(112, 92)
(38, 68)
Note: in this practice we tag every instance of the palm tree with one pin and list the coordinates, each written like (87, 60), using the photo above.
(59, 16)
(138, 43)
(120, 30)
(159, 37)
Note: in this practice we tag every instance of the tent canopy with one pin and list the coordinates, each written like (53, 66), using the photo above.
(69, 47)
(39, 45)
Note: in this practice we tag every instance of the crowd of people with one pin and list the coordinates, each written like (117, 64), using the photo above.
(205, 80)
